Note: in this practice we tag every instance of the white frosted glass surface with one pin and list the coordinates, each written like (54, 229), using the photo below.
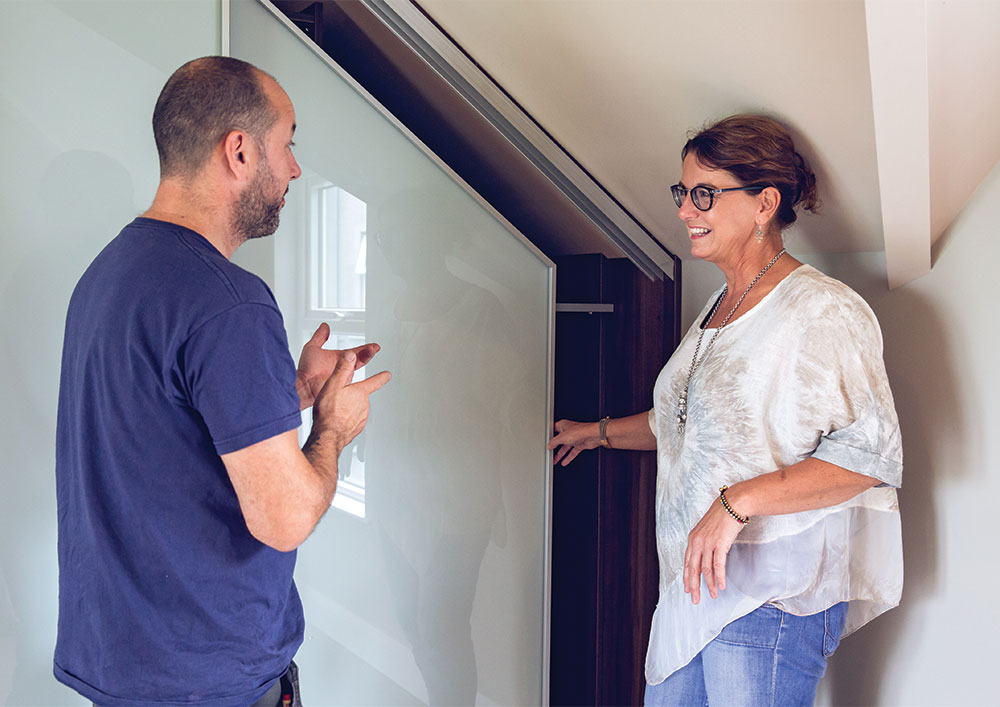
(431, 587)
(78, 81)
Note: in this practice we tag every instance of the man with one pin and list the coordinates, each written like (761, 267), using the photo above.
(182, 492)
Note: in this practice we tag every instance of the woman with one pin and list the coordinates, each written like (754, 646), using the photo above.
(777, 444)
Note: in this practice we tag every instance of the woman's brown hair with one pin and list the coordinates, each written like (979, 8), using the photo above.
(757, 150)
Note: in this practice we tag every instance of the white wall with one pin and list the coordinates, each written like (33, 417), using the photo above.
(941, 345)
(78, 81)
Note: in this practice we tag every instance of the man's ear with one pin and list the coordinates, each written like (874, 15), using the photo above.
(239, 153)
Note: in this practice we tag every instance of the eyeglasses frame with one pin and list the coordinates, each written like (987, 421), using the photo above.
(679, 199)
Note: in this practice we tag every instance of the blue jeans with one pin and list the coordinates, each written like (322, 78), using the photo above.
(768, 657)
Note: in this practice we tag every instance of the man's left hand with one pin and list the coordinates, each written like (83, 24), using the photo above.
(316, 364)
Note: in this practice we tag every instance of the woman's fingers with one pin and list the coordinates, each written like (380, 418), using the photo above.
(709, 575)
(558, 439)
(704, 565)
(569, 440)
(692, 571)
(708, 546)
(719, 570)
(574, 452)
(565, 453)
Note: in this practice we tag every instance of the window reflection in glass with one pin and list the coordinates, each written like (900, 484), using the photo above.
(336, 267)
(340, 250)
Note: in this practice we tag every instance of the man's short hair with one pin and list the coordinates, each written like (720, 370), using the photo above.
(201, 103)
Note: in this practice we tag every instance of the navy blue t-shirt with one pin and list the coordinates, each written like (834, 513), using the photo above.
(172, 356)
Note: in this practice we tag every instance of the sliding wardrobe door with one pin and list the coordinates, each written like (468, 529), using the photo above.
(426, 583)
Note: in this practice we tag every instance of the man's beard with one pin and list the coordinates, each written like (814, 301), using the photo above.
(256, 213)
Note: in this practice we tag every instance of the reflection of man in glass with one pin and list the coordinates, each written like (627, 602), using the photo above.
(182, 492)
(435, 491)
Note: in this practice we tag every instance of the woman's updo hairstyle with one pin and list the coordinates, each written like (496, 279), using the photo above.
(756, 150)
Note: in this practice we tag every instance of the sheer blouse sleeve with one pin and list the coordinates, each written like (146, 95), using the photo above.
(844, 391)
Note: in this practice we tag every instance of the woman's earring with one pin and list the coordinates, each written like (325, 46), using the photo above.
(759, 235)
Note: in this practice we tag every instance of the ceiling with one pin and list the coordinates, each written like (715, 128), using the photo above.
(894, 102)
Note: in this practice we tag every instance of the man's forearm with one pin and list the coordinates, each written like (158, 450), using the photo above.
(323, 449)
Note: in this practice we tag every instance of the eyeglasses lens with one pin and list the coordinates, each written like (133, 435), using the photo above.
(678, 193)
(701, 197)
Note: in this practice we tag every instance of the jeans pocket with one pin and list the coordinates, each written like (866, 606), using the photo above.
(290, 686)
(758, 629)
(833, 619)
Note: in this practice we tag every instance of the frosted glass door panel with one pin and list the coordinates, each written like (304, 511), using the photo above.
(426, 582)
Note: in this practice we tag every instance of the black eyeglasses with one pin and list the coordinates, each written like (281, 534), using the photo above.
(701, 196)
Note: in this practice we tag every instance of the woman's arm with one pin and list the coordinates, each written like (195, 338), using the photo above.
(805, 486)
(571, 438)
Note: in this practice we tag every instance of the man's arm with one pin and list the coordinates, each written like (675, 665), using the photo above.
(284, 491)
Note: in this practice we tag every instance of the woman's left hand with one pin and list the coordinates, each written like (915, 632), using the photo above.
(708, 546)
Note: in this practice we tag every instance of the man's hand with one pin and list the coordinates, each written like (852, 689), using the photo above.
(317, 364)
(284, 491)
(341, 409)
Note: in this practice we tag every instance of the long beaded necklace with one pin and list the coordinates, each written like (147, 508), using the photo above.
(682, 401)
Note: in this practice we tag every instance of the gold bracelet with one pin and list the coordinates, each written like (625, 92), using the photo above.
(602, 428)
(743, 520)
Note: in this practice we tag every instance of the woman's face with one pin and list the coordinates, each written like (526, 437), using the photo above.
(724, 234)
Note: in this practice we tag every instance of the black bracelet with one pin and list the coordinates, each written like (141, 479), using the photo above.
(743, 520)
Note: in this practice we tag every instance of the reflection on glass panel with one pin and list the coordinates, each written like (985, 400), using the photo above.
(340, 249)
(350, 496)
(435, 593)
(335, 276)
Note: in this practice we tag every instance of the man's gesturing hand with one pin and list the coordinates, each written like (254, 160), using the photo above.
(317, 364)
(283, 491)
(341, 407)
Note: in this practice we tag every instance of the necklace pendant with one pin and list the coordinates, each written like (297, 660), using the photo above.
(681, 411)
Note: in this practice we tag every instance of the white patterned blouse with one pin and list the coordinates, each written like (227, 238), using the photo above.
(799, 375)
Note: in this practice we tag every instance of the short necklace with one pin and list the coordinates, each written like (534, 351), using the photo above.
(682, 401)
